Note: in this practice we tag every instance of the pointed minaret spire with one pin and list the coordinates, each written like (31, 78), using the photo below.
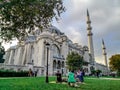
(88, 18)
(104, 48)
(87, 12)
(103, 42)
(90, 40)
(105, 56)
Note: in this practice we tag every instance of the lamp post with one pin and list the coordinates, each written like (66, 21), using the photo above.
(47, 45)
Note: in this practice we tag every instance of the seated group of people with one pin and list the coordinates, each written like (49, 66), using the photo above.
(72, 77)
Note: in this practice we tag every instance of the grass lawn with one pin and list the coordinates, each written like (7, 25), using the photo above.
(38, 83)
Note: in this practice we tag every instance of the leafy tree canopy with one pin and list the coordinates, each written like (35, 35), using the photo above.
(18, 18)
(74, 61)
(115, 62)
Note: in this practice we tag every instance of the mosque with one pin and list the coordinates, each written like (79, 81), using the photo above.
(51, 47)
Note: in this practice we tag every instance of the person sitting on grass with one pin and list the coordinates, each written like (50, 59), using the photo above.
(80, 76)
(71, 79)
(59, 77)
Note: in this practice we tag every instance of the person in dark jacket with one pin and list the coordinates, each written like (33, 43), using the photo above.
(59, 77)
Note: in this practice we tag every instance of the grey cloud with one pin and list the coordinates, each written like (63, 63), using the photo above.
(105, 17)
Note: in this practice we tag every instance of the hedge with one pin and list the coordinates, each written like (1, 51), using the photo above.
(10, 73)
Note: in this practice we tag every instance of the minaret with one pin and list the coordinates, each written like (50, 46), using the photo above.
(90, 40)
(105, 55)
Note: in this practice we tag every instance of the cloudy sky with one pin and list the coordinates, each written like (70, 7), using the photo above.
(105, 17)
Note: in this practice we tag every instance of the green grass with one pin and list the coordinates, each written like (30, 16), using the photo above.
(38, 83)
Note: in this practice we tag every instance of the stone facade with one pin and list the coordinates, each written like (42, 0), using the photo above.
(103, 68)
(32, 53)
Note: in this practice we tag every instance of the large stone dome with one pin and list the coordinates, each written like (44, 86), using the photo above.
(46, 32)
(55, 30)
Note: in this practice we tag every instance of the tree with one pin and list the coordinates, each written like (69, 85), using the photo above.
(2, 52)
(115, 63)
(74, 61)
(18, 18)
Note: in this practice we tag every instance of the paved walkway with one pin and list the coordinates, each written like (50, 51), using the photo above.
(106, 78)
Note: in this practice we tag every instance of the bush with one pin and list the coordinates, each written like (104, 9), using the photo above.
(10, 73)
(118, 73)
(94, 72)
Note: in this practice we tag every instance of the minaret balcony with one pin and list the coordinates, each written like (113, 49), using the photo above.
(89, 28)
(88, 22)
(104, 53)
(104, 48)
(90, 34)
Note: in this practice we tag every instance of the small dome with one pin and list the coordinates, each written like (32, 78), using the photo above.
(85, 48)
(37, 32)
(45, 33)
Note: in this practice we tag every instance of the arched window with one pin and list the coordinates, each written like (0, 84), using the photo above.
(56, 51)
(63, 65)
(54, 64)
(59, 65)
(31, 54)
